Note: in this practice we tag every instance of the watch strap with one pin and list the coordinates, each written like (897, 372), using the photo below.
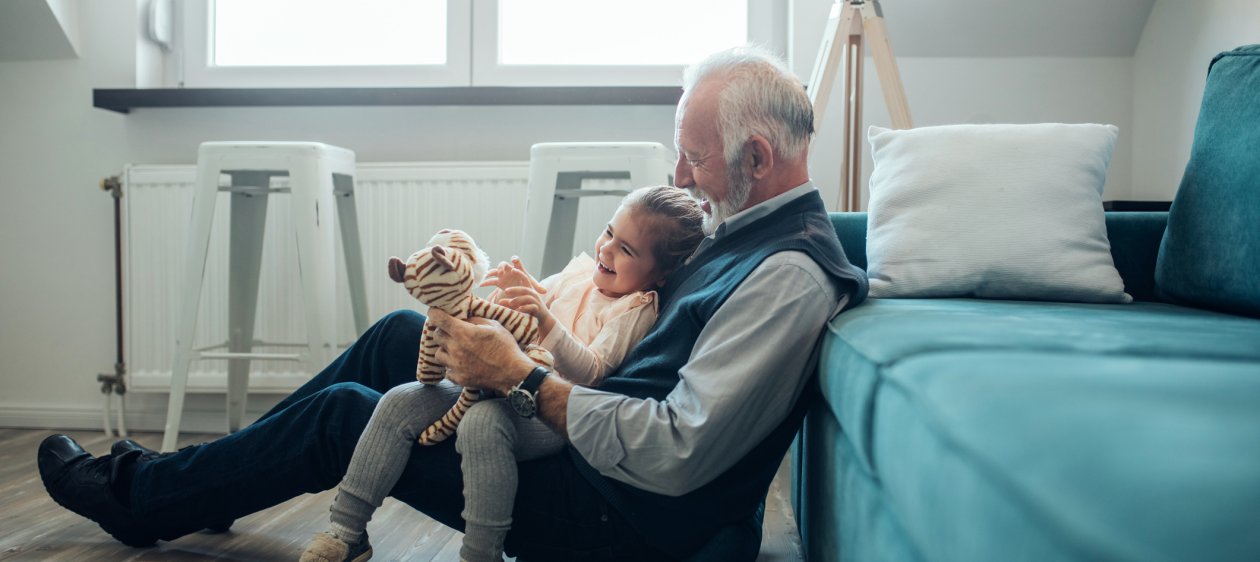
(534, 380)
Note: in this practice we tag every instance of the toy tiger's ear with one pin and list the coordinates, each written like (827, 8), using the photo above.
(397, 270)
(439, 255)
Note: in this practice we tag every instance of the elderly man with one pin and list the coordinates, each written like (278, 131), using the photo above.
(677, 447)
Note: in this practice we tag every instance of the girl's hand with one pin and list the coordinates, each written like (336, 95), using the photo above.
(508, 275)
(527, 300)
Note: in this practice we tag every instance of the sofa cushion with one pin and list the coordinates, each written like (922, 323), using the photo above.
(1074, 431)
(1134, 239)
(993, 211)
(1211, 251)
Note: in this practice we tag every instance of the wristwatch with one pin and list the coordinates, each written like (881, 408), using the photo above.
(523, 397)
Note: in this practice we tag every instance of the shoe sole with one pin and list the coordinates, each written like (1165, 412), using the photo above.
(144, 542)
(134, 541)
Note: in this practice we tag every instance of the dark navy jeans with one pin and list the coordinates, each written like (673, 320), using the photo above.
(304, 445)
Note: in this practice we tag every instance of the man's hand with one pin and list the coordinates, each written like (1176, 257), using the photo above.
(483, 354)
(479, 352)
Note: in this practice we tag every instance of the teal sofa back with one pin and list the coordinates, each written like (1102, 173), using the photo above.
(1211, 252)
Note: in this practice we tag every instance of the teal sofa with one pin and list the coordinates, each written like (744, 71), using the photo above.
(987, 430)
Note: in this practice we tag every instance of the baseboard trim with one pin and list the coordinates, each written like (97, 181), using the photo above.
(147, 399)
(215, 382)
(12, 416)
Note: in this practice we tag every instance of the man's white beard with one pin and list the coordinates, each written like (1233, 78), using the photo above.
(739, 187)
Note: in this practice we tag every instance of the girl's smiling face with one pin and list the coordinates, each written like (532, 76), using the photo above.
(624, 256)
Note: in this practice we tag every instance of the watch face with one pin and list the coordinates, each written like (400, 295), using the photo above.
(521, 402)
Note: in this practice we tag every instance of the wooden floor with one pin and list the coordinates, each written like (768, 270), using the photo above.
(33, 527)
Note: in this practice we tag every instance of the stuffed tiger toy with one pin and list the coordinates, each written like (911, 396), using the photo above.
(442, 276)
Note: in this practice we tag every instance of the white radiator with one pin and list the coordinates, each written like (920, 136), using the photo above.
(399, 206)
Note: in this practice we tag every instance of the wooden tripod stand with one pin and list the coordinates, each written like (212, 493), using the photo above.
(849, 22)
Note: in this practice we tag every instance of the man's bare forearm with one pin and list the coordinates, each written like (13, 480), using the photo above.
(553, 404)
(552, 400)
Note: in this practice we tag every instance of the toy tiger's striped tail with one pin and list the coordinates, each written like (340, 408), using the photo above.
(427, 369)
(445, 426)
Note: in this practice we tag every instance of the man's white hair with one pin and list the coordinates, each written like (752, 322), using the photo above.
(761, 97)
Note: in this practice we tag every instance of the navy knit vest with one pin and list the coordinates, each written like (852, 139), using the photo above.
(680, 525)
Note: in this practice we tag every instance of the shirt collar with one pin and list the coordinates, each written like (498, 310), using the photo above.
(750, 215)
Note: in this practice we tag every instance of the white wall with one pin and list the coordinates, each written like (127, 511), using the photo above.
(1169, 72)
(945, 91)
(994, 89)
(56, 293)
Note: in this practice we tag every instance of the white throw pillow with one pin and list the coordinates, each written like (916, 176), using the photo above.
(991, 211)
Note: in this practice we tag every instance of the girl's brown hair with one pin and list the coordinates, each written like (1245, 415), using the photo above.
(678, 219)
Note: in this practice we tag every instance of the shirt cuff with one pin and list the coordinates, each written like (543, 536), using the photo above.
(553, 337)
(592, 428)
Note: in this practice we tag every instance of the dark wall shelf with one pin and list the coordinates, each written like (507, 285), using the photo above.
(125, 100)
(1158, 206)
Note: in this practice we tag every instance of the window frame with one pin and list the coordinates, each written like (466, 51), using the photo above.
(486, 70)
(197, 72)
(472, 52)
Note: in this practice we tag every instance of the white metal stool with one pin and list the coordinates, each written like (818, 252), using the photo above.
(556, 171)
(321, 178)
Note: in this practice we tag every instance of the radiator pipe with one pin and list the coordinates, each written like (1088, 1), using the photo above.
(116, 382)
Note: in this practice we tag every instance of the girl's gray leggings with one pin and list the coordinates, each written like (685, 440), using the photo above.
(491, 439)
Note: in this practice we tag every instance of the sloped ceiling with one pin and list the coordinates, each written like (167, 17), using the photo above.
(1015, 28)
(38, 30)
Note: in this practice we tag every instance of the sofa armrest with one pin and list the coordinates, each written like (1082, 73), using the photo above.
(1134, 237)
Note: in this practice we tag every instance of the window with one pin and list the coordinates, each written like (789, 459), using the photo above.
(312, 43)
(368, 32)
(334, 43)
(582, 42)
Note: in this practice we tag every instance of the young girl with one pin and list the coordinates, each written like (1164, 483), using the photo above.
(589, 316)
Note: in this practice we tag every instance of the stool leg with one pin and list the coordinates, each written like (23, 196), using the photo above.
(540, 198)
(249, 217)
(352, 249)
(564, 210)
(194, 270)
(313, 214)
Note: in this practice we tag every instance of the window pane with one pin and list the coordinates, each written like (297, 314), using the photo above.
(616, 32)
(329, 32)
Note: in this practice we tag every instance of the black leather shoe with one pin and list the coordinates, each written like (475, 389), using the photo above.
(83, 484)
(146, 454)
(120, 448)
